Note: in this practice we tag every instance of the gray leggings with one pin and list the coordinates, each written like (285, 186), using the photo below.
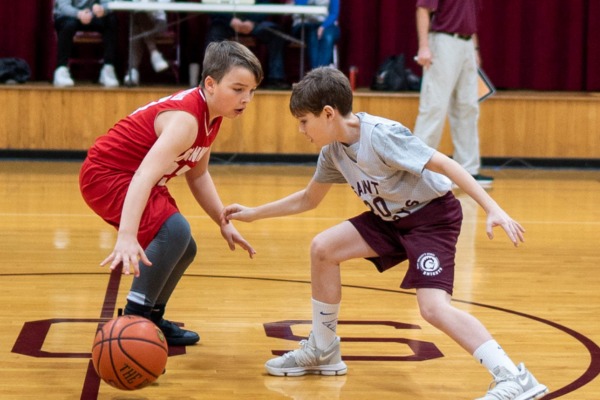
(171, 251)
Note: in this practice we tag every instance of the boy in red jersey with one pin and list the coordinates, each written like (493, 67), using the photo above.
(124, 176)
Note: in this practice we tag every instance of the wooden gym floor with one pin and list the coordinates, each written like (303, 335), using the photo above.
(541, 301)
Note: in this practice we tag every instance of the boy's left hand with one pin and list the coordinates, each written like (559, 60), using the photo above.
(232, 236)
(513, 229)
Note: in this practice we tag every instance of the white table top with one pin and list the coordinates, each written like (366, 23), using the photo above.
(217, 8)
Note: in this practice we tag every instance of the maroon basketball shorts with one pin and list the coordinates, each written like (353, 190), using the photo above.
(427, 239)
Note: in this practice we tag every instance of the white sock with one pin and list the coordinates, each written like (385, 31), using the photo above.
(491, 355)
(325, 318)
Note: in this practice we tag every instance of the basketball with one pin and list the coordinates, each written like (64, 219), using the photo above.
(129, 352)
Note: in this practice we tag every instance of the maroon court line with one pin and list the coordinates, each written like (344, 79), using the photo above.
(91, 383)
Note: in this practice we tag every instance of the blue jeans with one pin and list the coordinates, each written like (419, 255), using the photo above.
(320, 51)
(275, 48)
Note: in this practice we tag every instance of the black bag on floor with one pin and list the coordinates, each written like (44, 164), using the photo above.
(14, 70)
(393, 76)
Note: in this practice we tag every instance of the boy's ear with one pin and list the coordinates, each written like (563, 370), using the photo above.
(209, 84)
(329, 112)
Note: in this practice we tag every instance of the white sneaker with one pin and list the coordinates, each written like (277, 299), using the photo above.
(108, 78)
(132, 78)
(62, 77)
(507, 386)
(158, 62)
(309, 360)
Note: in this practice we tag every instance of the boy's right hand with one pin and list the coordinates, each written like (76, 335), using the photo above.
(237, 212)
(127, 251)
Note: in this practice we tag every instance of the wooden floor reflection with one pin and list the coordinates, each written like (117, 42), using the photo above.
(540, 300)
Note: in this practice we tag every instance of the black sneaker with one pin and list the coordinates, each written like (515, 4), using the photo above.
(176, 336)
(484, 181)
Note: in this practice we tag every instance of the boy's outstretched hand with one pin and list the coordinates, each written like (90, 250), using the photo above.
(513, 229)
(237, 212)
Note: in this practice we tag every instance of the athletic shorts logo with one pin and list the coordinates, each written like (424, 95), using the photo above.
(429, 264)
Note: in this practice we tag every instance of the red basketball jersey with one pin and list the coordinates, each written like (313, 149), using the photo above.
(113, 159)
(126, 144)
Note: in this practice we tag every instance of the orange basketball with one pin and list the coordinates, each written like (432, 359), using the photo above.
(129, 352)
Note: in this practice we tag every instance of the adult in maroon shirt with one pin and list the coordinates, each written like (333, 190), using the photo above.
(449, 54)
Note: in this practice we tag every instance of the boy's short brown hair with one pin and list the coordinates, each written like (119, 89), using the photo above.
(323, 86)
(221, 56)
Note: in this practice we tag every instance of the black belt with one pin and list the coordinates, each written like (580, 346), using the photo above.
(456, 35)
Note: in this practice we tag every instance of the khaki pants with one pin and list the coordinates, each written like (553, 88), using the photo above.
(449, 87)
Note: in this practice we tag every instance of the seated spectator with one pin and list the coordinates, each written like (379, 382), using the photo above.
(71, 16)
(228, 26)
(321, 31)
(148, 25)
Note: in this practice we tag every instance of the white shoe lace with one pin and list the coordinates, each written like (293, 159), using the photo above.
(304, 355)
(505, 390)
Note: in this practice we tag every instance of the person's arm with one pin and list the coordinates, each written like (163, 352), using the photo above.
(333, 14)
(424, 56)
(177, 132)
(306, 199)
(203, 188)
(496, 216)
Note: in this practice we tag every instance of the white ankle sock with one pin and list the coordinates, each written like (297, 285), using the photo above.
(325, 318)
(491, 355)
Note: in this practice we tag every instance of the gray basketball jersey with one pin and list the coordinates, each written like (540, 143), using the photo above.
(385, 168)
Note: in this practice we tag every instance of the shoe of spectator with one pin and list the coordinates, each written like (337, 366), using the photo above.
(484, 181)
(62, 77)
(132, 78)
(158, 62)
(108, 78)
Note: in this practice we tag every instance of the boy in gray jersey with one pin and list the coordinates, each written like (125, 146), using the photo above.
(413, 216)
